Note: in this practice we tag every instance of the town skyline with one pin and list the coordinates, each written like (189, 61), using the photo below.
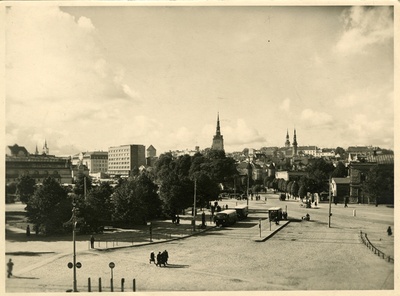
(109, 76)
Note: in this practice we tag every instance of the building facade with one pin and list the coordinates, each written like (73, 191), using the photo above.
(218, 139)
(19, 162)
(125, 158)
(95, 161)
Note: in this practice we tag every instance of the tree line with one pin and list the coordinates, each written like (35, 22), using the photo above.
(167, 190)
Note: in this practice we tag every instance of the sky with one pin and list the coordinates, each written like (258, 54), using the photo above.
(85, 78)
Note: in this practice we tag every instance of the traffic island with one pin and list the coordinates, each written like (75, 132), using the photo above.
(266, 234)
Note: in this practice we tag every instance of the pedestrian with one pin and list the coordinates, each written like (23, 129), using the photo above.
(159, 259)
(226, 206)
(10, 266)
(28, 231)
(165, 257)
(389, 231)
(152, 257)
(92, 242)
(203, 219)
(177, 219)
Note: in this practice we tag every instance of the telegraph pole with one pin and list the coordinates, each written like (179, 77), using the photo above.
(330, 204)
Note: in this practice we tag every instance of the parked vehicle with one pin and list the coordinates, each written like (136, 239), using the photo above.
(225, 218)
(242, 211)
(275, 214)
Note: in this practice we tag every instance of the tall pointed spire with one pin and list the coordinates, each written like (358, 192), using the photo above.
(294, 143)
(294, 138)
(36, 151)
(287, 143)
(218, 132)
(218, 140)
(45, 148)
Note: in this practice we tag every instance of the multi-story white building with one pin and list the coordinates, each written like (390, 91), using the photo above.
(123, 159)
(96, 161)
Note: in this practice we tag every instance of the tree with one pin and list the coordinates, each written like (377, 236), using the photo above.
(340, 171)
(136, 201)
(379, 184)
(302, 192)
(81, 182)
(319, 172)
(98, 207)
(340, 151)
(49, 208)
(25, 188)
(295, 189)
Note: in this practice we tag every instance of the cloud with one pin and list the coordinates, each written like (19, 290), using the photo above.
(57, 74)
(365, 26)
(242, 135)
(313, 118)
(366, 130)
(285, 105)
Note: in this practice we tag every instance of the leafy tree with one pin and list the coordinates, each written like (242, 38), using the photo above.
(288, 189)
(25, 187)
(340, 171)
(49, 208)
(341, 152)
(136, 201)
(164, 165)
(302, 191)
(176, 195)
(319, 172)
(295, 189)
(79, 188)
(98, 207)
(379, 184)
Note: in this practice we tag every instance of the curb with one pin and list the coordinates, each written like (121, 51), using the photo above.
(272, 233)
(154, 243)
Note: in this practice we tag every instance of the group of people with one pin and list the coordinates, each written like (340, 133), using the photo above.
(258, 197)
(175, 219)
(162, 258)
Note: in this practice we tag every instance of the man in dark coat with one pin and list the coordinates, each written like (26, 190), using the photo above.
(159, 259)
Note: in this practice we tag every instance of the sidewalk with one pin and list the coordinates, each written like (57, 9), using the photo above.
(269, 229)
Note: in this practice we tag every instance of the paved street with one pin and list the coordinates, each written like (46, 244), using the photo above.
(301, 256)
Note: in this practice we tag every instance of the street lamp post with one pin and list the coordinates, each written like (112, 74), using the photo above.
(194, 205)
(248, 181)
(74, 243)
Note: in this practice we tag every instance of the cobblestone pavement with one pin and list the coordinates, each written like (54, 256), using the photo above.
(302, 256)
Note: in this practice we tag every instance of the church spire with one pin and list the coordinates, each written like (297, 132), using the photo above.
(287, 143)
(294, 143)
(218, 140)
(218, 132)
(45, 148)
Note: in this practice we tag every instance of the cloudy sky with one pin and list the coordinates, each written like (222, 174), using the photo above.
(87, 78)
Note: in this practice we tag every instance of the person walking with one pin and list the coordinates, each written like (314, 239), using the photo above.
(177, 219)
(389, 231)
(165, 257)
(92, 242)
(10, 266)
(152, 257)
(159, 259)
(28, 231)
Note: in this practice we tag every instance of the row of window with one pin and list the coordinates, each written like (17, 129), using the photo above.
(35, 173)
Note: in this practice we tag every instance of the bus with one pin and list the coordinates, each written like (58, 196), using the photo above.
(275, 213)
(226, 217)
(242, 211)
